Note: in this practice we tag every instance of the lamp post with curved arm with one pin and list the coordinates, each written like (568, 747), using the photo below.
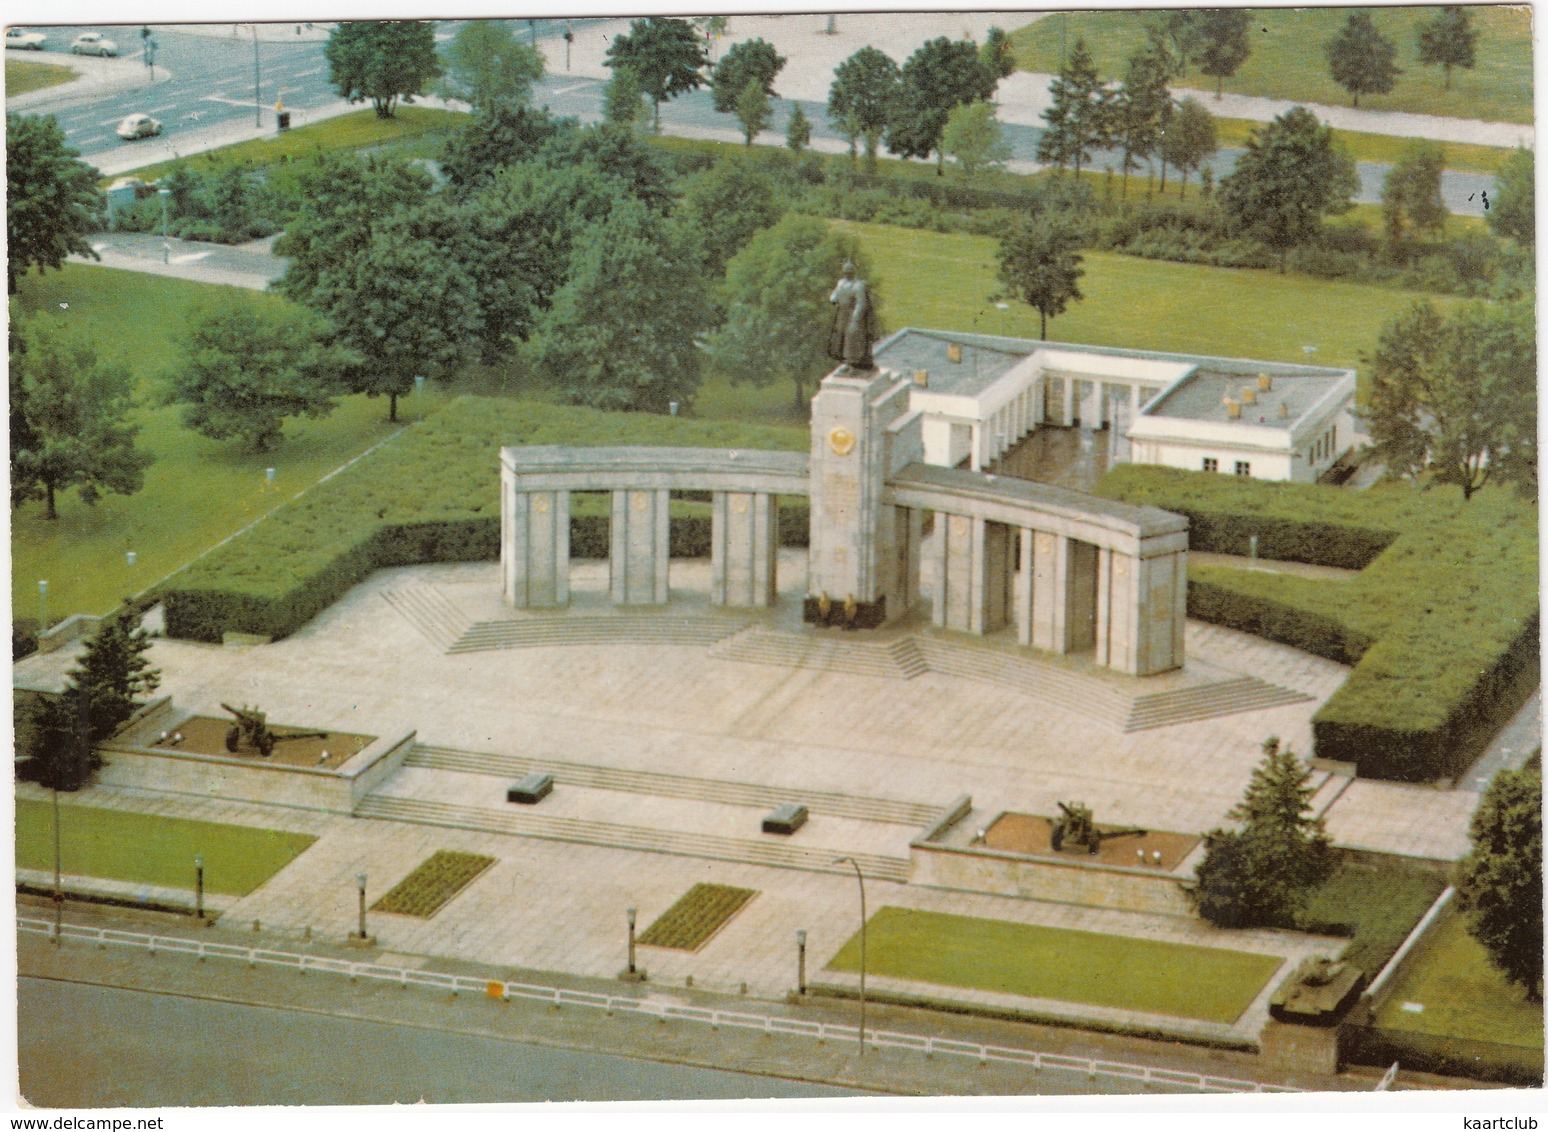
(861, 879)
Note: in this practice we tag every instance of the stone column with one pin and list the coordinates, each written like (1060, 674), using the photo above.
(640, 552)
(1161, 610)
(1104, 604)
(535, 552)
(744, 536)
(1080, 596)
(1025, 587)
(1068, 417)
(1050, 578)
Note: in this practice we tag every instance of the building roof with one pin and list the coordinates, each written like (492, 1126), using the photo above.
(1201, 396)
(981, 366)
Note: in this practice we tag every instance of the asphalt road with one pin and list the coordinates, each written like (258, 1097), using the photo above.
(85, 1046)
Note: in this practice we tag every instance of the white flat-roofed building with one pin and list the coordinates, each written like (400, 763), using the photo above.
(978, 395)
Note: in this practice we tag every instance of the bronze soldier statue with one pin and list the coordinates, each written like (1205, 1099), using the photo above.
(854, 322)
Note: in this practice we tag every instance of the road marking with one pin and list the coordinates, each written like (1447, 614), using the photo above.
(191, 257)
(229, 101)
(573, 88)
(309, 74)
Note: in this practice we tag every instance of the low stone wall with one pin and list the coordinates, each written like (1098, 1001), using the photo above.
(1075, 882)
(131, 763)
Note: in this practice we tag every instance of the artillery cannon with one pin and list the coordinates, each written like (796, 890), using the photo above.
(1079, 828)
(251, 732)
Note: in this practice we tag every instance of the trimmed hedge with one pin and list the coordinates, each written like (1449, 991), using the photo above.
(1441, 625)
(431, 494)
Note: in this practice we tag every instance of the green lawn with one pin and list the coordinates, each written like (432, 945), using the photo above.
(1379, 149)
(21, 77)
(151, 849)
(1288, 59)
(198, 491)
(945, 281)
(410, 130)
(1462, 995)
(1209, 983)
(1383, 899)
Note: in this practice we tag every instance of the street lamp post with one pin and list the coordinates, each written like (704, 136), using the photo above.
(42, 604)
(861, 879)
(419, 393)
(166, 244)
(632, 914)
(257, 84)
(58, 885)
(800, 961)
(199, 886)
(360, 880)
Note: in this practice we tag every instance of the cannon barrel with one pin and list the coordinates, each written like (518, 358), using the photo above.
(1108, 835)
(1069, 812)
(278, 738)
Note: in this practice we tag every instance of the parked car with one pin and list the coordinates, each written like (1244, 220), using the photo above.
(24, 40)
(138, 126)
(93, 43)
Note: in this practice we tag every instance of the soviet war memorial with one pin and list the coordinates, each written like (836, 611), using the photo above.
(775, 556)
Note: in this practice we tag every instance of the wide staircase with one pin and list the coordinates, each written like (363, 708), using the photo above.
(898, 658)
(1073, 691)
(1208, 701)
(725, 792)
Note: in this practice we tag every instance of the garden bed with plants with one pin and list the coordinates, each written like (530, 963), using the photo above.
(432, 885)
(1441, 625)
(698, 914)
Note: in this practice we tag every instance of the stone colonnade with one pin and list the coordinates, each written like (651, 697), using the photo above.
(536, 484)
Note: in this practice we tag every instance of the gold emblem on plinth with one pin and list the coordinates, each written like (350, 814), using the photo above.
(842, 441)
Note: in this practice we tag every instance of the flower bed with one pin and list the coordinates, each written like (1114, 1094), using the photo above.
(433, 884)
(701, 912)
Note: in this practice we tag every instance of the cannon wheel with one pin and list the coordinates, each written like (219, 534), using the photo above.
(233, 738)
(266, 745)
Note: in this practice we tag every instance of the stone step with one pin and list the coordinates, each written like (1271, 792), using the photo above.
(898, 659)
(1085, 696)
(1210, 701)
(639, 838)
(674, 785)
(548, 632)
(425, 608)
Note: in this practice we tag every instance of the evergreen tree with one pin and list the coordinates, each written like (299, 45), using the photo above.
(1361, 59)
(1080, 118)
(1500, 881)
(1411, 201)
(753, 111)
(1513, 209)
(941, 75)
(1224, 43)
(1140, 111)
(1189, 140)
(996, 57)
(723, 207)
(1039, 264)
(494, 139)
(798, 131)
(1261, 873)
(623, 99)
(1449, 40)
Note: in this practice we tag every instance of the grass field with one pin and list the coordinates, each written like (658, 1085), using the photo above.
(416, 130)
(1383, 899)
(931, 279)
(198, 491)
(1462, 995)
(1123, 973)
(152, 849)
(21, 77)
(1288, 60)
(1378, 149)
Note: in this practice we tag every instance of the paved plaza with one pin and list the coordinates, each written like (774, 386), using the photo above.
(686, 711)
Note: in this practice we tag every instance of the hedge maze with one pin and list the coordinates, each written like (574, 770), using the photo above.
(1441, 625)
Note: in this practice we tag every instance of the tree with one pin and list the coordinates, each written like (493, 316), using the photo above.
(109, 684)
(776, 298)
(382, 60)
(1189, 140)
(51, 198)
(1224, 43)
(996, 57)
(753, 110)
(75, 418)
(404, 306)
(1261, 873)
(623, 99)
(752, 61)
(494, 139)
(1080, 116)
(1448, 40)
(622, 331)
(723, 207)
(1140, 110)
(615, 152)
(941, 75)
(974, 138)
(666, 54)
(1411, 201)
(248, 365)
(1180, 33)
(1039, 265)
(860, 101)
(1291, 175)
(1361, 59)
(798, 130)
(1513, 212)
(1458, 397)
(487, 66)
(1500, 881)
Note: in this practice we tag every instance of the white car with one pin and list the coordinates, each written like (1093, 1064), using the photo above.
(24, 40)
(138, 126)
(93, 43)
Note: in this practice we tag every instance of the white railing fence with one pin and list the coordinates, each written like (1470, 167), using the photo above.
(662, 1011)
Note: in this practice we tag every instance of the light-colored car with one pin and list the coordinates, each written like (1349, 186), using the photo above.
(138, 126)
(93, 43)
(24, 40)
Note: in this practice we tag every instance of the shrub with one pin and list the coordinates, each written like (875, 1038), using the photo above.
(386, 510)
(694, 919)
(427, 889)
(1441, 625)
